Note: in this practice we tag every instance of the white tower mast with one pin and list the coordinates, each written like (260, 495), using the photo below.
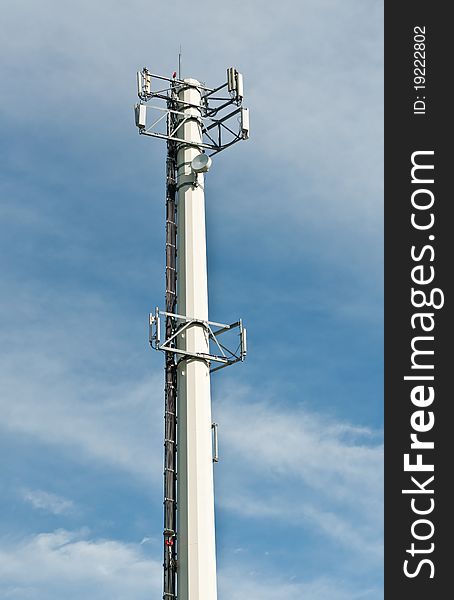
(191, 341)
(195, 494)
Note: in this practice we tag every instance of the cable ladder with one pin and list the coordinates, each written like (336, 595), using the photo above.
(170, 443)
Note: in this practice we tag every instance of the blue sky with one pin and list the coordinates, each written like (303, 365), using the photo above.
(295, 235)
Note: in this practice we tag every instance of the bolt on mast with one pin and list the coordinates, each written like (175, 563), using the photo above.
(198, 122)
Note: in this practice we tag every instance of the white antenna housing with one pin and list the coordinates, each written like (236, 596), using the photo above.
(146, 82)
(141, 115)
(245, 123)
(239, 86)
(231, 79)
(143, 83)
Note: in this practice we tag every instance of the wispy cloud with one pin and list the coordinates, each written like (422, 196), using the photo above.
(238, 583)
(307, 198)
(121, 429)
(278, 451)
(71, 565)
(315, 99)
(280, 458)
(81, 391)
(328, 475)
(48, 502)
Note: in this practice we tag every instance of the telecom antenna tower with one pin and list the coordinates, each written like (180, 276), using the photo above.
(197, 122)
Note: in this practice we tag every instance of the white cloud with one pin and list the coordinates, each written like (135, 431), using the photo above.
(279, 457)
(327, 473)
(48, 502)
(280, 461)
(66, 382)
(71, 565)
(68, 378)
(121, 428)
(66, 564)
(238, 583)
(315, 96)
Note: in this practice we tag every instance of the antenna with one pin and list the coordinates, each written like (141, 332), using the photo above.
(196, 122)
(179, 63)
(215, 109)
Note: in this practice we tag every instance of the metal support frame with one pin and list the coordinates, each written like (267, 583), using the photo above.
(218, 128)
(213, 331)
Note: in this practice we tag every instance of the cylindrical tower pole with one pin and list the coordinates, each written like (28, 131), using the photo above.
(195, 494)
